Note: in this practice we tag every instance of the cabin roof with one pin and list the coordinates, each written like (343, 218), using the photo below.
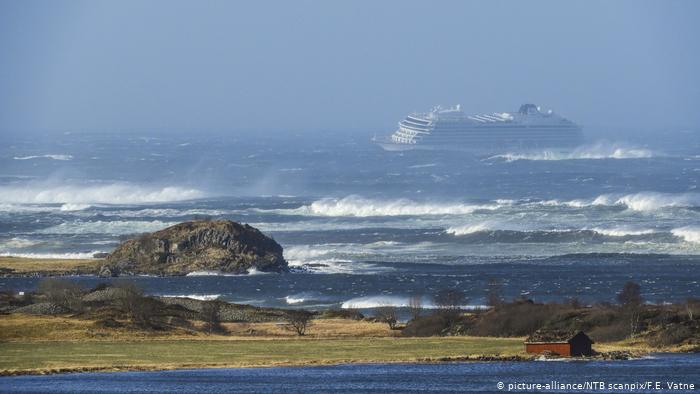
(554, 336)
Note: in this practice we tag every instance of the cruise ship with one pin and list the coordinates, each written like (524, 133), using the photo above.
(450, 128)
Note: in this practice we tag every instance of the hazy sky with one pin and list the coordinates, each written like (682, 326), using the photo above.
(341, 65)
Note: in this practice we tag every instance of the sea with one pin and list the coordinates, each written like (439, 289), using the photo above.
(362, 227)
(648, 375)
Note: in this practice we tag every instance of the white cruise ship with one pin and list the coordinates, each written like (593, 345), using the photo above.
(529, 128)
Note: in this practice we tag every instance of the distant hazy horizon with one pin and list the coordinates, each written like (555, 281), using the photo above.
(333, 66)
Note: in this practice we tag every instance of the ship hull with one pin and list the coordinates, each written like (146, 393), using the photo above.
(465, 141)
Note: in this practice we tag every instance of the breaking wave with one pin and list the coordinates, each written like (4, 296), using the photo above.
(200, 297)
(378, 301)
(52, 157)
(594, 152)
(362, 207)
(78, 196)
(622, 231)
(119, 227)
(471, 228)
(329, 259)
(18, 243)
(689, 233)
(642, 201)
(495, 232)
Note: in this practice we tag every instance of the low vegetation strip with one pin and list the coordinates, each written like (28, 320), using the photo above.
(22, 266)
(61, 356)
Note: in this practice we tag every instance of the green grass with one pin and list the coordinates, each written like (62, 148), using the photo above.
(167, 354)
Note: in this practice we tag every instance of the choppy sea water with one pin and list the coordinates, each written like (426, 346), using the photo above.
(450, 377)
(362, 227)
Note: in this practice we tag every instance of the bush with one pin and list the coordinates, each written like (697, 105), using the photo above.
(515, 319)
(299, 320)
(426, 326)
(672, 335)
(210, 316)
(610, 333)
(101, 286)
(353, 314)
(141, 310)
(64, 293)
(387, 314)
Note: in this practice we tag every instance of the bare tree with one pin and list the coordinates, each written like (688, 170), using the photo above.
(387, 314)
(631, 300)
(210, 315)
(138, 308)
(494, 293)
(65, 293)
(690, 305)
(574, 302)
(415, 305)
(631, 294)
(450, 300)
(299, 320)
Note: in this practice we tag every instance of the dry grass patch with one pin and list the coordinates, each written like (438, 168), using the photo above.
(166, 354)
(23, 265)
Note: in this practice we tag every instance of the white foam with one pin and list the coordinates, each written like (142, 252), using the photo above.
(648, 201)
(18, 243)
(329, 259)
(291, 300)
(378, 301)
(306, 252)
(362, 207)
(165, 212)
(688, 233)
(74, 207)
(251, 271)
(118, 227)
(301, 298)
(200, 297)
(621, 231)
(642, 201)
(469, 229)
(423, 165)
(52, 157)
(115, 193)
(592, 152)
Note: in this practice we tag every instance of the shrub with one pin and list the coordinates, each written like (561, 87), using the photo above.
(299, 320)
(141, 310)
(353, 314)
(515, 319)
(210, 316)
(62, 292)
(387, 314)
(415, 306)
(672, 335)
(426, 326)
(610, 333)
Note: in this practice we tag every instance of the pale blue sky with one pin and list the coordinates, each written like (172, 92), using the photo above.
(341, 65)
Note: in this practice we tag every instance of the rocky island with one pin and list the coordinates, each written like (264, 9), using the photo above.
(221, 246)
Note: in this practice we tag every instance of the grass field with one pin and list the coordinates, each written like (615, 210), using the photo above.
(46, 357)
(23, 265)
(44, 344)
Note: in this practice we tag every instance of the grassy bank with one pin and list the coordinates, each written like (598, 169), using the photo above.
(47, 267)
(49, 344)
(62, 356)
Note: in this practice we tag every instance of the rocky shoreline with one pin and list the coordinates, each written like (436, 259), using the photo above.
(204, 245)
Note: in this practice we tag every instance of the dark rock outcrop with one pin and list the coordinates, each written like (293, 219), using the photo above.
(222, 246)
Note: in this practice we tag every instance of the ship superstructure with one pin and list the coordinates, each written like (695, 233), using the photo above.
(450, 128)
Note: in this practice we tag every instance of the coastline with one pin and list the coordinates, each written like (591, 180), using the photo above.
(70, 345)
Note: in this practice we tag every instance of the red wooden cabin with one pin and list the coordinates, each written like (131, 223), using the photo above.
(561, 343)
